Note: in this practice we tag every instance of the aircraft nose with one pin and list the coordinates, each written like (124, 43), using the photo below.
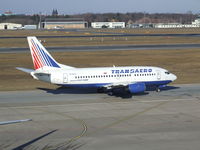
(174, 77)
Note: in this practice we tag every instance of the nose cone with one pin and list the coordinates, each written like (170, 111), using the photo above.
(174, 77)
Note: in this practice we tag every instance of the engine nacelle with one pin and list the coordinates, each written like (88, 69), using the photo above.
(136, 88)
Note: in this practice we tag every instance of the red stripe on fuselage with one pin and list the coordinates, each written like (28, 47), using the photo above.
(36, 62)
(36, 58)
(36, 65)
(37, 53)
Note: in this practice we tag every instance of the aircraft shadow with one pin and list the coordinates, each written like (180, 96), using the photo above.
(23, 146)
(123, 95)
(167, 88)
(63, 146)
(65, 90)
(127, 95)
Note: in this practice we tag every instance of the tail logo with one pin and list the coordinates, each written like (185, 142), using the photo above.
(40, 56)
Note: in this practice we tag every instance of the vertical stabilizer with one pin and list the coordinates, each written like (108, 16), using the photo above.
(40, 55)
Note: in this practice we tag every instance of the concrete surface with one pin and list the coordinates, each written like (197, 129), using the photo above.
(82, 119)
(106, 48)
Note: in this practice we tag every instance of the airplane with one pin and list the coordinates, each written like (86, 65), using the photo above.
(131, 79)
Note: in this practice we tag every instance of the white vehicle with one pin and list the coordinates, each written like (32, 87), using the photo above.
(132, 79)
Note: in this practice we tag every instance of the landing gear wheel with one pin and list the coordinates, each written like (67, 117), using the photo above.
(157, 90)
(110, 93)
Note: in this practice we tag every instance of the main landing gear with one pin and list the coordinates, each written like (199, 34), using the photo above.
(104, 90)
(158, 89)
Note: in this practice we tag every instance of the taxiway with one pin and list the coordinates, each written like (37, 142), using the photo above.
(83, 119)
(106, 48)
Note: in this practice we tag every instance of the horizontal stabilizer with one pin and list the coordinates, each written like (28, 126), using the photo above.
(25, 69)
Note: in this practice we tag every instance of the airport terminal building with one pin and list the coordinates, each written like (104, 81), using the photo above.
(10, 26)
(64, 23)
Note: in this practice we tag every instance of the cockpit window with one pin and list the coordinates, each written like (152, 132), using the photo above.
(167, 72)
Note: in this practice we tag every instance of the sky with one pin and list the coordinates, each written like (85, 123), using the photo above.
(99, 6)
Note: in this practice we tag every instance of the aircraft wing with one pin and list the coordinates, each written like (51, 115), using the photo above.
(118, 85)
(25, 70)
(14, 121)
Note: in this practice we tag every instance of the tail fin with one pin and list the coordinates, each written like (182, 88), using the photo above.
(40, 55)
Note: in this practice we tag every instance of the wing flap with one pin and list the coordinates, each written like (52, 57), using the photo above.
(118, 85)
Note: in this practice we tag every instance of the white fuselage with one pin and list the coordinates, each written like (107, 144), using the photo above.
(131, 79)
(102, 76)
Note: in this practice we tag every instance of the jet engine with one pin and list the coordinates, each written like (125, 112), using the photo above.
(136, 88)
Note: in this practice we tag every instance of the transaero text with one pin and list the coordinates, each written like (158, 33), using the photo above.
(131, 71)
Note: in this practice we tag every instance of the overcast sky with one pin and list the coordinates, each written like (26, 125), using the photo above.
(99, 6)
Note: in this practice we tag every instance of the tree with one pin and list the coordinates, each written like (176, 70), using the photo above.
(55, 12)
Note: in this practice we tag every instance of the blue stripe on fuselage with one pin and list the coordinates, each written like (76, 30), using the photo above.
(97, 85)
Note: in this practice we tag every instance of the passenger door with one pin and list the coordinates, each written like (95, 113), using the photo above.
(158, 74)
(65, 78)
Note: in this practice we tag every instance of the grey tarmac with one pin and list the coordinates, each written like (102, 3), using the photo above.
(85, 120)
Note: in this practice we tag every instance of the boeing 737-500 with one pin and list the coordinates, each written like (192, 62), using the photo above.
(131, 79)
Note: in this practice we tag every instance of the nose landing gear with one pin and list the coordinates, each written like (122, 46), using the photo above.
(158, 88)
